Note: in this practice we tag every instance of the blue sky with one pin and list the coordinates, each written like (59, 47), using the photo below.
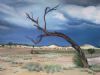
(80, 19)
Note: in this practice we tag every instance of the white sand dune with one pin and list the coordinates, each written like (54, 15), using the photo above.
(88, 46)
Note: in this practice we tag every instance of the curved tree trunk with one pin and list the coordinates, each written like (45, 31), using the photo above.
(58, 34)
(79, 51)
(74, 45)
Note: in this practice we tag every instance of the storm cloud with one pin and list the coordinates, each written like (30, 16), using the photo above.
(77, 18)
(82, 2)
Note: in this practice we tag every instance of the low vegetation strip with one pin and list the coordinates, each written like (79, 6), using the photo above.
(52, 51)
(49, 68)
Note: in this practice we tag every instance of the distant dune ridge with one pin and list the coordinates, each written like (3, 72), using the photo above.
(88, 46)
(85, 46)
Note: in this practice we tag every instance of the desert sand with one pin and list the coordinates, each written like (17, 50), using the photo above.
(13, 59)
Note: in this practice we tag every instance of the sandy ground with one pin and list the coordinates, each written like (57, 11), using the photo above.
(23, 56)
(68, 72)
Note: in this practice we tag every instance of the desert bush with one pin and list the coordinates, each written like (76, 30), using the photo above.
(36, 52)
(88, 70)
(33, 67)
(95, 68)
(77, 61)
(2, 45)
(10, 44)
(6, 59)
(50, 55)
(2, 68)
(91, 51)
(52, 68)
(17, 62)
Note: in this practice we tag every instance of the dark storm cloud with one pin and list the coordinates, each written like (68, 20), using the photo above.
(7, 27)
(21, 4)
(18, 3)
(12, 21)
(30, 2)
(74, 22)
(2, 15)
(77, 22)
(82, 2)
(6, 24)
(25, 3)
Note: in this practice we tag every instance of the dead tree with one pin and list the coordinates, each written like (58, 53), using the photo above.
(46, 33)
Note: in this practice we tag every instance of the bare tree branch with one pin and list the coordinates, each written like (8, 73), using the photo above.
(47, 10)
(58, 34)
(31, 18)
(38, 40)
